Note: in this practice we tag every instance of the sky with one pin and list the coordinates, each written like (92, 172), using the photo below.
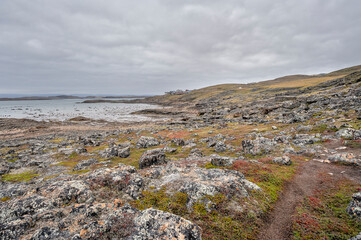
(149, 47)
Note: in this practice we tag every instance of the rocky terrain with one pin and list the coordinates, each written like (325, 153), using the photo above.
(256, 161)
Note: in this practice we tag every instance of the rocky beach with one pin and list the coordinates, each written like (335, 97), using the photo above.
(278, 159)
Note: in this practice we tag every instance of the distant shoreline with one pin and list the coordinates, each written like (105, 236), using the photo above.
(61, 97)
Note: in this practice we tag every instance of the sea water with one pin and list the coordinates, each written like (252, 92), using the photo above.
(64, 109)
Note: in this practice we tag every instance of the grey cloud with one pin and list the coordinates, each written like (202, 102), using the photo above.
(140, 47)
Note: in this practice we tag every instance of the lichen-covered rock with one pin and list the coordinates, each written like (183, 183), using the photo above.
(146, 142)
(81, 150)
(64, 192)
(304, 139)
(346, 158)
(345, 133)
(284, 160)
(156, 224)
(123, 178)
(46, 233)
(358, 237)
(220, 146)
(260, 145)
(357, 135)
(152, 157)
(169, 149)
(354, 207)
(178, 141)
(219, 161)
(86, 163)
(118, 152)
(197, 182)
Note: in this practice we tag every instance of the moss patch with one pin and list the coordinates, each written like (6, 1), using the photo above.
(20, 177)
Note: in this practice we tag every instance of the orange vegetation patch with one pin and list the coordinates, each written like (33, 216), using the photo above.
(174, 134)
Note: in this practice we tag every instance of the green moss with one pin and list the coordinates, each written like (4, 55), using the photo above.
(73, 155)
(4, 199)
(172, 203)
(21, 177)
(209, 166)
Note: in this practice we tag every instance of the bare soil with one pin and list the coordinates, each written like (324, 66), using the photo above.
(11, 128)
(279, 224)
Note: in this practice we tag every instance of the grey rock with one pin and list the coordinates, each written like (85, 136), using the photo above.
(178, 141)
(118, 152)
(358, 237)
(86, 163)
(149, 224)
(260, 145)
(346, 158)
(169, 149)
(220, 147)
(146, 142)
(152, 157)
(345, 133)
(219, 161)
(354, 207)
(284, 160)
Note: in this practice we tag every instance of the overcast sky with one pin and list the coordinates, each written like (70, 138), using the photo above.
(152, 46)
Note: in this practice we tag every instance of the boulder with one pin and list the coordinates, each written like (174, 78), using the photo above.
(178, 141)
(169, 149)
(155, 224)
(152, 157)
(123, 178)
(284, 160)
(219, 161)
(220, 146)
(357, 135)
(346, 158)
(198, 183)
(358, 237)
(345, 133)
(354, 207)
(260, 145)
(146, 142)
(86, 163)
(118, 152)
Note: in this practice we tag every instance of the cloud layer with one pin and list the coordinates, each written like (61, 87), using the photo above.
(148, 47)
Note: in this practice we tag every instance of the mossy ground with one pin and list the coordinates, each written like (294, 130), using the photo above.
(324, 216)
(223, 222)
(19, 177)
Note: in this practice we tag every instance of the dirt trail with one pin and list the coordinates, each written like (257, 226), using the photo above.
(279, 224)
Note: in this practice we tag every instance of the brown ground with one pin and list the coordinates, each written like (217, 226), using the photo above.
(307, 180)
(24, 128)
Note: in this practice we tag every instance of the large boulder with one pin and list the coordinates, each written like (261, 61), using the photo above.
(284, 160)
(146, 142)
(358, 237)
(84, 164)
(152, 157)
(155, 224)
(220, 161)
(118, 152)
(122, 178)
(354, 207)
(198, 183)
(345, 158)
(178, 141)
(220, 146)
(345, 133)
(260, 145)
